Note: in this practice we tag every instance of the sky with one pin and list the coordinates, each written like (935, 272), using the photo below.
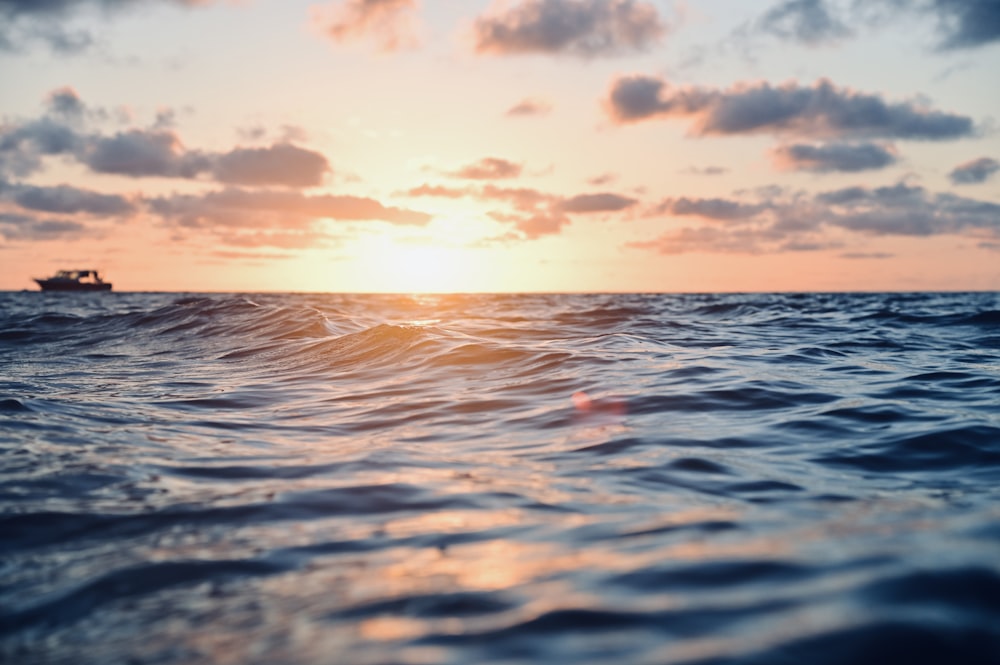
(502, 145)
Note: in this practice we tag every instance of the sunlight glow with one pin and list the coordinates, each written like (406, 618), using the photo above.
(417, 266)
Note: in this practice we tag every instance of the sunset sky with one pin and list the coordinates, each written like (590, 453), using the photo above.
(489, 145)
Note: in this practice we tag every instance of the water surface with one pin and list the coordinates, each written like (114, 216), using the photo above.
(696, 479)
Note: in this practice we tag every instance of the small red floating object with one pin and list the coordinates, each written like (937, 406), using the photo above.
(582, 401)
(585, 404)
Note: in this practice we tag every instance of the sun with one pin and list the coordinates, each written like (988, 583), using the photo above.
(417, 266)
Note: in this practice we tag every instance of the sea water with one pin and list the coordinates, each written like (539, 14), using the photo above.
(710, 479)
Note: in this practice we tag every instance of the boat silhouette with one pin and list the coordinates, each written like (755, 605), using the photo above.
(74, 280)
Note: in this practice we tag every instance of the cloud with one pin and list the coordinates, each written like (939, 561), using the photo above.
(519, 198)
(528, 107)
(830, 157)
(532, 212)
(866, 255)
(909, 210)
(287, 240)
(261, 205)
(593, 203)
(707, 239)
(801, 222)
(241, 208)
(959, 24)
(279, 164)
(965, 24)
(19, 227)
(439, 191)
(390, 23)
(140, 153)
(534, 225)
(53, 8)
(706, 170)
(65, 199)
(22, 147)
(809, 22)
(602, 179)
(975, 171)
(23, 22)
(66, 102)
(583, 28)
(277, 218)
(488, 168)
(522, 198)
(818, 111)
(711, 208)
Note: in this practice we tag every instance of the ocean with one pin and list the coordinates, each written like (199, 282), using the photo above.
(522, 479)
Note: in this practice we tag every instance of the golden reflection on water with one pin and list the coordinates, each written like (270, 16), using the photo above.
(536, 577)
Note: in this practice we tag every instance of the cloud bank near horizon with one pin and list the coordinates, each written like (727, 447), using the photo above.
(779, 221)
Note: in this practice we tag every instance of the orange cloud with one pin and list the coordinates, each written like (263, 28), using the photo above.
(389, 23)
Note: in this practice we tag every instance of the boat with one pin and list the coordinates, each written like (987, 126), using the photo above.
(74, 280)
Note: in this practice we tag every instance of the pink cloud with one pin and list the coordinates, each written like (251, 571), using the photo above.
(391, 24)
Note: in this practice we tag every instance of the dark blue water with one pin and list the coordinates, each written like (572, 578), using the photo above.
(313, 479)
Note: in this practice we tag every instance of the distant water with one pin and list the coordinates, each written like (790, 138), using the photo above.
(321, 479)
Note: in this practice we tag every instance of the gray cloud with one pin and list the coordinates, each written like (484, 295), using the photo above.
(280, 164)
(141, 153)
(23, 22)
(959, 24)
(818, 111)
(584, 28)
(390, 23)
(15, 226)
(799, 222)
(810, 22)
(153, 152)
(711, 208)
(240, 208)
(50, 8)
(975, 171)
(593, 203)
(66, 102)
(488, 168)
(23, 146)
(65, 199)
(966, 23)
(830, 157)
(894, 196)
